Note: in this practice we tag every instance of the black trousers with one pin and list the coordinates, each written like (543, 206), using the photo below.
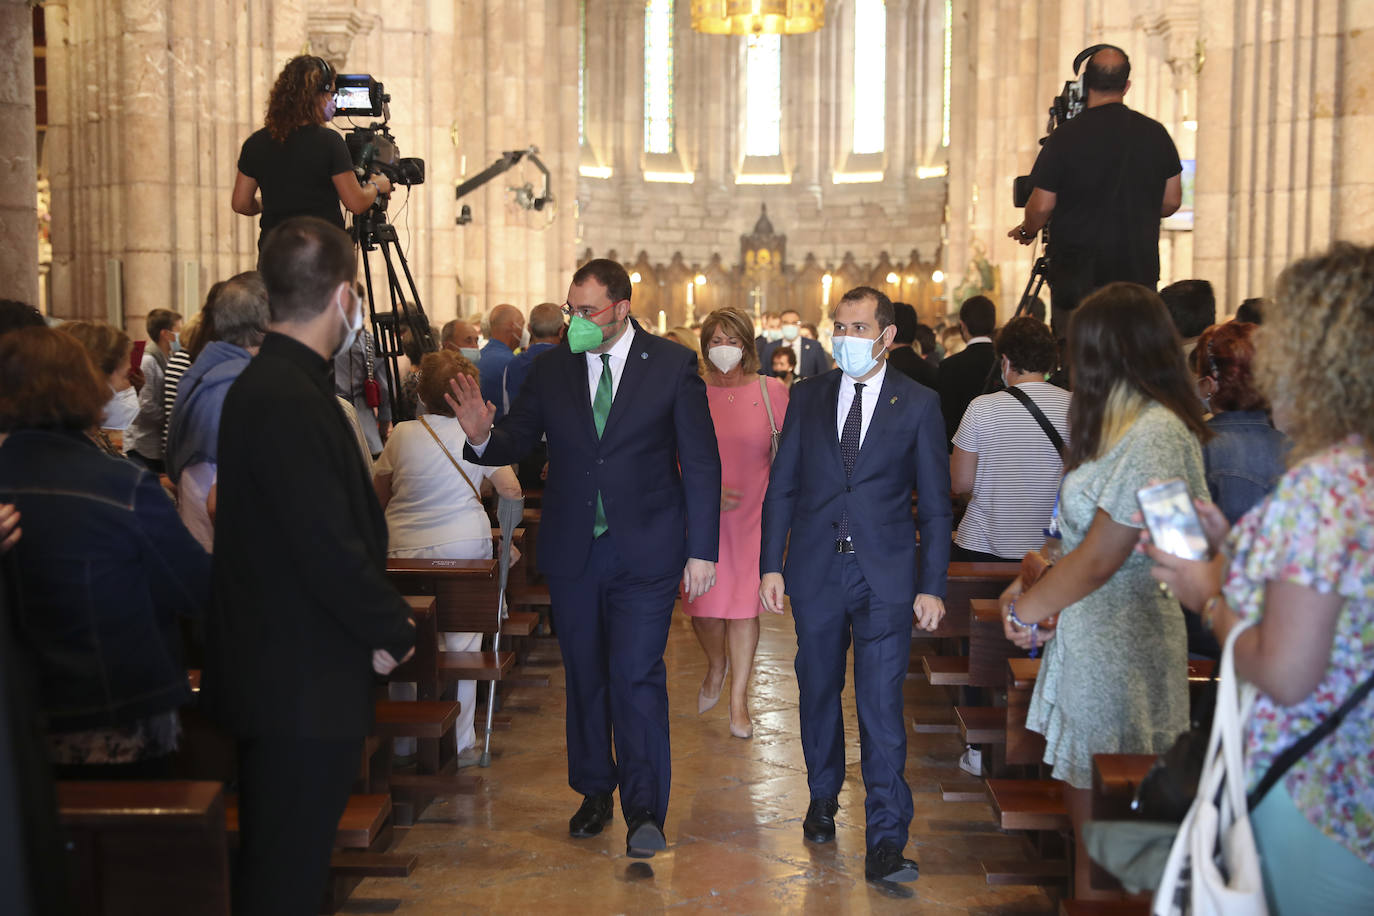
(292, 792)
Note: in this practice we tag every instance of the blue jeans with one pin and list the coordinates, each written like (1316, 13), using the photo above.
(1306, 871)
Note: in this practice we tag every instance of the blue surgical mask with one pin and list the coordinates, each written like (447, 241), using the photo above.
(471, 354)
(790, 332)
(329, 108)
(854, 355)
(176, 342)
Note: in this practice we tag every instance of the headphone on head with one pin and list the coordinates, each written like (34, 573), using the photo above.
(1089, 52)
(327, 73)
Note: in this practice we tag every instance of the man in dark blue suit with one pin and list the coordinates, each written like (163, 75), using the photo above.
(811, 358)
(856, 442)
(631, 508)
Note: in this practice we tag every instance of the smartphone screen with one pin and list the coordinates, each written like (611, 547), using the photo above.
(136, 354)
(1172, 520)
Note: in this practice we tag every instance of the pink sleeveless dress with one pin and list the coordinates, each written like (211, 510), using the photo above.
(742, 433)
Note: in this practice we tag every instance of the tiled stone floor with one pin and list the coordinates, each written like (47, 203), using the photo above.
(733, 829)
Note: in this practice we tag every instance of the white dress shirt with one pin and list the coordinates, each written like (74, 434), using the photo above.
(846, 400)
(618, 354)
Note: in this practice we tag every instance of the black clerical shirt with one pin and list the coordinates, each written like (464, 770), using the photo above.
(301, 597)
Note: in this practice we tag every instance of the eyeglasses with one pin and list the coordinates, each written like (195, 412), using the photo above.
(583, 311)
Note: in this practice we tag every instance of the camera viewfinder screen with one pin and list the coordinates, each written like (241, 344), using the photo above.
(353, 99)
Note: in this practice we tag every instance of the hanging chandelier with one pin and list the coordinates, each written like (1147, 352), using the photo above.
(757, 17)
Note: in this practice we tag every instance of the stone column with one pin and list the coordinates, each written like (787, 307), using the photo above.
(18, 156)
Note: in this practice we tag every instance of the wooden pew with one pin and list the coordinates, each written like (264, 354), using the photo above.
(967, 581)
(146, 847)
(467, 593)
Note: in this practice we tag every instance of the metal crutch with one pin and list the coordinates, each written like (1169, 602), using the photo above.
(509, 514)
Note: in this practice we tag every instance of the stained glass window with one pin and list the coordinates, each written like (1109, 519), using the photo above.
(581, 72)
(763, 95)
(949, 62)
(870, 75)
(658, 76)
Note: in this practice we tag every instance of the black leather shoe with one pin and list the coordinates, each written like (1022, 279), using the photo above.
(819, 826)
(643, 837)
(594, 814)
(885, 862)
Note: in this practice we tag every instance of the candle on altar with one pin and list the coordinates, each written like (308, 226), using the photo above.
(662, 321)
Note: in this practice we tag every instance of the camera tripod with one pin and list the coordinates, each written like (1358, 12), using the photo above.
(1040, 270)
(371, 231)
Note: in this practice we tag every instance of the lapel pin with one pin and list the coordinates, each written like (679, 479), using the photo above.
(643, 355)
(894, 400)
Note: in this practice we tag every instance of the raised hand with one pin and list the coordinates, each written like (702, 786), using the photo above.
(474, 414)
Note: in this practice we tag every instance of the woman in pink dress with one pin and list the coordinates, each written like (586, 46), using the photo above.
(726, 619)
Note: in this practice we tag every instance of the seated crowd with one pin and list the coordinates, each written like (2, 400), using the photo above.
(110, 473)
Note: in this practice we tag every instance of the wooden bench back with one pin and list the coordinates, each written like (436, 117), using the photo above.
(467, 592)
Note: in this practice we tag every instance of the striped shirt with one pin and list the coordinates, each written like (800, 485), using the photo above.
(177, 365)
(1018, 470)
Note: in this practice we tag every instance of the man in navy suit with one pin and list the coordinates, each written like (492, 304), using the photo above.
(631, 508)
(856, 442)
(811, 358)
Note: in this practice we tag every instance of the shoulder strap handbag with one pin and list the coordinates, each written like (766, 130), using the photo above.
(1213, 868)
(1050, 432)
(456, 466)
(774, 433)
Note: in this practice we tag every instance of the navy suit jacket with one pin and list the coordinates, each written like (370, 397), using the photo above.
(656, 464)
(903, 449)
(813, 359)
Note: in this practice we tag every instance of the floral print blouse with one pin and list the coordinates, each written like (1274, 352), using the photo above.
(1317, 530)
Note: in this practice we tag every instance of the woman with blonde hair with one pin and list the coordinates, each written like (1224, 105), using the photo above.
(745, 408)
(301, 166)
(433, 504)
(1114, 678)
(1301, 564)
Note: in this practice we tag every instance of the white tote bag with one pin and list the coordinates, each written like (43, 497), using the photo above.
(1214, 866)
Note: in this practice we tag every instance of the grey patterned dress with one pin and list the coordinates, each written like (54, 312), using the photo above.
(1114, 679)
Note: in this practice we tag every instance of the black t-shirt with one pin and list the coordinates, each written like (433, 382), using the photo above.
(1108, 167)
(296, 177)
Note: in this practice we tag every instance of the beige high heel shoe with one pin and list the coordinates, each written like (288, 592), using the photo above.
(704, 702)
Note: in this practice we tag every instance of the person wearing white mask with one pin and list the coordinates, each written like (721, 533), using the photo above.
(856, 443)
(811, 358)
(109, 349)
(745, 409)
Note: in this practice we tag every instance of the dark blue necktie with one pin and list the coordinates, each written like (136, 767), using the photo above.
(849, 446)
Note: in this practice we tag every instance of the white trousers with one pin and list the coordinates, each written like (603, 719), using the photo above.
(464, 731)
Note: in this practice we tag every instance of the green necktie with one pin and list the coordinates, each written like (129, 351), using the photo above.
(601, 409)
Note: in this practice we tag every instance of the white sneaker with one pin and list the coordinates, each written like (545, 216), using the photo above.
(971, 761)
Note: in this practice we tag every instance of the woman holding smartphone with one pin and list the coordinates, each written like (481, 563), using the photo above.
(1114, 679)
(1301, 562)
(301, 166)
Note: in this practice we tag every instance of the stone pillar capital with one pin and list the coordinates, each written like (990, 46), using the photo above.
(331, 32)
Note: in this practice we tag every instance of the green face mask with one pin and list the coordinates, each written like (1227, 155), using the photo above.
(585, 334)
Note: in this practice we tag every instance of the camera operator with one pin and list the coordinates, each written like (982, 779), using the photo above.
(1107, 177)
(302, 167)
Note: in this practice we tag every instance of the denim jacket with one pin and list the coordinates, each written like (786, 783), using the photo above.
(1244, 461)
(105, 566)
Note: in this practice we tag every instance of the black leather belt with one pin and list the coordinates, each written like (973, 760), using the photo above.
(844, 546)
